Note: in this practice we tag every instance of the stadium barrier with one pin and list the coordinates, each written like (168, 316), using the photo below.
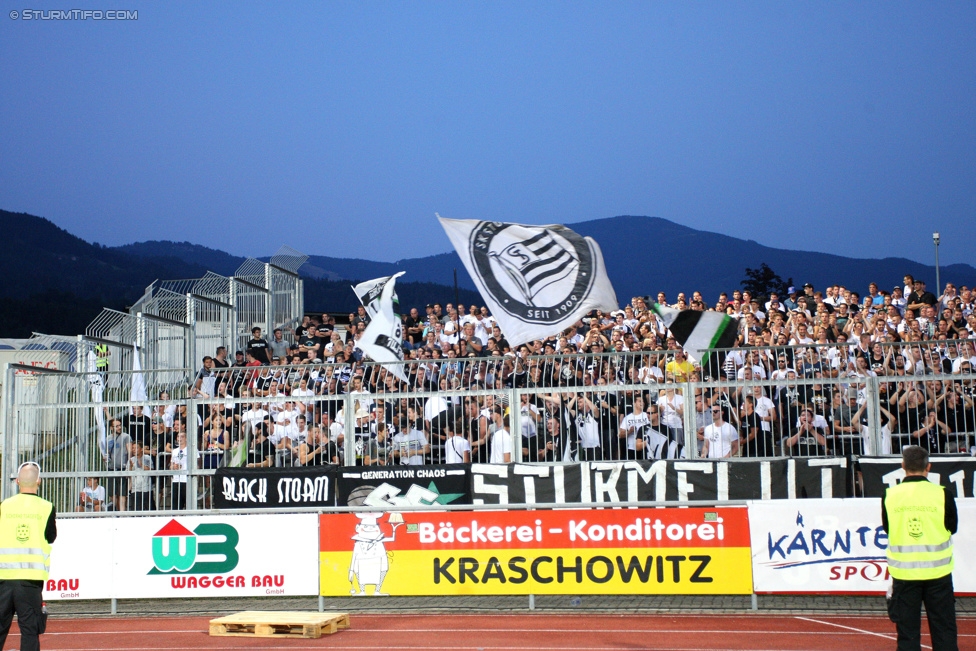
(811, 546)
(56, 415)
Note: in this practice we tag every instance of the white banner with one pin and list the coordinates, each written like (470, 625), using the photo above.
(185, 556)
(837, 545)
(382, 339)
(536, 280)
(81, 560)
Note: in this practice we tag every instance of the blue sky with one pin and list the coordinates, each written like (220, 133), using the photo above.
(340, 128)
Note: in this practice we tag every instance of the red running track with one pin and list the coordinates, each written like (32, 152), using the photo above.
(504, 632)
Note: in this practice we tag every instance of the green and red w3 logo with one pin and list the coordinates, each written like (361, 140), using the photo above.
(175, 549)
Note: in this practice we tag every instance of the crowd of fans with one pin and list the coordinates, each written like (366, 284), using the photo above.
(803, 359)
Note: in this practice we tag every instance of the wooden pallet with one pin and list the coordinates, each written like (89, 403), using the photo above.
(252, 623)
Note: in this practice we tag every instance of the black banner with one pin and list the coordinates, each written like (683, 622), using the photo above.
(404, 485)
(881, 472)
(674, 480)
(264, 488)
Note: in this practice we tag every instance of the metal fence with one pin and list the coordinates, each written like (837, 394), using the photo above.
(466, 410)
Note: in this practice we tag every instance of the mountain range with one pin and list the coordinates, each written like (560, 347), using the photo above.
(643, 255)
(55, 282)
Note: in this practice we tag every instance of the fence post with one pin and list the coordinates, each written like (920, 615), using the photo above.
(873, 397)
(690, 421)
(234, 344)
(192, 431)
(9, 453)
(515, 418)
(191, 334)
(349, 430)
(84, 396)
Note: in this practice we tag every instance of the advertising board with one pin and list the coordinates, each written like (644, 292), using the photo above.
(184, 556)
(81, 560)
(828, 546)
(612, 551)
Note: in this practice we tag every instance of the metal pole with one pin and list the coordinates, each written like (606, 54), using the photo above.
(192, 429)
(191, 334)
(9, 454)
(690, 421)
(269, 301)
(938, 285)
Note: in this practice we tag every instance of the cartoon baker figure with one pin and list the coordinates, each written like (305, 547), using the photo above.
(369, 561)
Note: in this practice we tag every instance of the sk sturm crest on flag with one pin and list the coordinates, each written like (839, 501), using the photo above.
(536, 280)
(383, 338)
(697, 332)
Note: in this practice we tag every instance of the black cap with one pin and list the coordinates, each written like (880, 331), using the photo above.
(808, 285)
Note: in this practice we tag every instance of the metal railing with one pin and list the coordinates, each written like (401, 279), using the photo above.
(358, 414)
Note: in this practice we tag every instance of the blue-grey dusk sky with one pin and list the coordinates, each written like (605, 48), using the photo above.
(340, 128)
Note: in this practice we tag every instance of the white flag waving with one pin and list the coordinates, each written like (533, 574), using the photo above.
(383, 338)
(369, 293)
(536, 280)
(97, 386)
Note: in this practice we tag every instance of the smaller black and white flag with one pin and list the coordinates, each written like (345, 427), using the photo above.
(700, 333)
(368, 292)
(382, 339)
(536, 280)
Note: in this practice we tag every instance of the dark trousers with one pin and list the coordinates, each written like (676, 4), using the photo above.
(23, 597)
(179, 495)
(905, 610)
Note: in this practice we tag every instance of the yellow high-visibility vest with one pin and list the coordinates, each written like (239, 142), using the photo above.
(919, 545)
(101, 357)
(24, 552)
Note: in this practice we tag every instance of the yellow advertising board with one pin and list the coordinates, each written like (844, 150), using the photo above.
(612, 551)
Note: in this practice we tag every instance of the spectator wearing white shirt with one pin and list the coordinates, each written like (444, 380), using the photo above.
(631, 424)
(501, 444)
(409, 446)
(457, 449)
(721, 439)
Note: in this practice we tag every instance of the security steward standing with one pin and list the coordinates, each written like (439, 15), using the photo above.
(102, 355)
(920, 518)
(27, 529)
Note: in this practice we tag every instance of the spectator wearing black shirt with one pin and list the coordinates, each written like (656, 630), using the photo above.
(310, 343)
(262, 452)
(138, 425)
(414, 328)
(920, 298)
(258, 347)
(303, 328)
(318, 450)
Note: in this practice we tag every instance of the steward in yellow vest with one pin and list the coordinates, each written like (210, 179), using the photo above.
(101, 357)
(27, 529)
(920, 518)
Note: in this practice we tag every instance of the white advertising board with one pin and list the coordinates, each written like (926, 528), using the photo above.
(81, 560)
(837, 545)
(186, 556)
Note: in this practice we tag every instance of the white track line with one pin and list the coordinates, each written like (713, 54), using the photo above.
(851, 628)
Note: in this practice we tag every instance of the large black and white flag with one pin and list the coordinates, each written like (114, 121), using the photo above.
(370, 291)
(700, 332)
(382, 340)
(536, 280)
